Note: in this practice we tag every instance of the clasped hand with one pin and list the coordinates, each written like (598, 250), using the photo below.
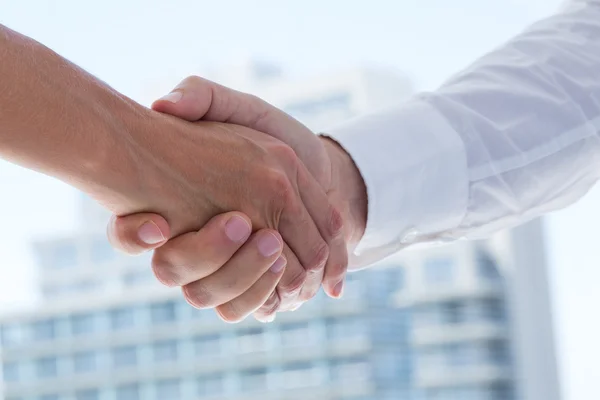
(242, 221)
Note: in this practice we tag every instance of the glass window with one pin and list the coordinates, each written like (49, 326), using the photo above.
(125, 356)
(426, 315)
(82, 324)
(11, 372)
(439, 271)
(460, 354)
(254, 380)
(345, 328)
(487, 267)
(163, 312)
(11, 335)
(101, 251)
(168, 389)
(165, 351)
(44, 330)
(452, 312)
(89, 394)
(493, 310)
(211, 385)
(128, 392)
(299, 375)
(84, 361)
(498, 352)
(48, 397)
(502, 391)
(209, 345)
(350, 370)
(46, 367)
(394, 279)
(122, 318)
(296, 335)
(251, 340)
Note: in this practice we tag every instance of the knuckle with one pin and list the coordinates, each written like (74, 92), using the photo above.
(280, 187)
(312, 286)
(198, 295)
(271, 305)
(335, 222)
(291, 284)
(164, 271)
(319, 256)
(308, 294)
(279, 181)
(284, 153)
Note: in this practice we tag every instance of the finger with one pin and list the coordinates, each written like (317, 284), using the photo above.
(239, 308)
(137, 233)
(268, 311)
(197, 99)
(301, 234)
(330, 225)
(311, 287)
(310, 249)
(196, 255)
(288, 290)
(239, 274)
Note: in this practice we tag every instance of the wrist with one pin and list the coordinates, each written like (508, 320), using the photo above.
(349, 190)
(111, 167)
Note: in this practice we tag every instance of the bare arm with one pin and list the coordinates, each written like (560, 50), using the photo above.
(56, 118)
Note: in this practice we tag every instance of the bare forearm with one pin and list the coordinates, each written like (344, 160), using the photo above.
(57, 119)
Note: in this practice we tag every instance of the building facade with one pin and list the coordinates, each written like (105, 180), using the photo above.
(469, 321)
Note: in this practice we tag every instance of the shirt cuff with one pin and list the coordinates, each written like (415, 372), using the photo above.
(415, 170)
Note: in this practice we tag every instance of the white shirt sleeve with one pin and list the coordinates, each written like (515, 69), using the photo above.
(512, 137)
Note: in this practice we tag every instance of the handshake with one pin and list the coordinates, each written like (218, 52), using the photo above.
(245, 208)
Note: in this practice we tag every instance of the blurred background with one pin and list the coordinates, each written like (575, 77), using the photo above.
(514, 317)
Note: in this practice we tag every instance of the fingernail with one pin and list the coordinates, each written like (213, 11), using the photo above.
(278, 265)
(237, 229)
(338, 289)
(150, 233)
(172, 97)
(268, 245)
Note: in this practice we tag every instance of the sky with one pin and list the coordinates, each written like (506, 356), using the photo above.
(147, 46)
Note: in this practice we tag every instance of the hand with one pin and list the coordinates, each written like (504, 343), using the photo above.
(327, 161)
(240, 169)
(220, 254)
(196, 99)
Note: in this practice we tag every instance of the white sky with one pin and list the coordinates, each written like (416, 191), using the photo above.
(146, 46)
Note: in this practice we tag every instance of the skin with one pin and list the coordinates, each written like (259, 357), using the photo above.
(59, 120)
(198, 99)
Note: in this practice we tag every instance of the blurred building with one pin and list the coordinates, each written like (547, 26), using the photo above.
(469, 321)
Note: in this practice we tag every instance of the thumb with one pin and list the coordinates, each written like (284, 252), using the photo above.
(197, 99)
(137, 233)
